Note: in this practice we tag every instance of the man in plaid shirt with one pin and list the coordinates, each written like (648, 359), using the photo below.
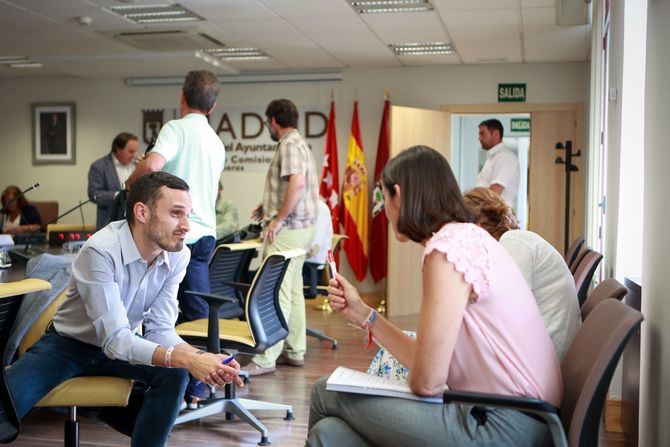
(288, 214)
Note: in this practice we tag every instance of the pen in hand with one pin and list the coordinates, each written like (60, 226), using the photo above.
(225, 362)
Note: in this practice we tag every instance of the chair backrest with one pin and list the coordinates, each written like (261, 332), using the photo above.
(228, 263)
(48, 210)
(11, 295)
(578, 259)
(584, 274)
(41, 323)
(573, 251)
(610, 288)
(263, 312)
(588, 366)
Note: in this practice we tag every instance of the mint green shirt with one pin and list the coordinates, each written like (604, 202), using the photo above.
(194, 153)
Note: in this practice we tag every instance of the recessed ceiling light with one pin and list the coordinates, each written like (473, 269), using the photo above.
(422, 48)
(372, 6)
(158, 13)
(237, 54)
(8, 60)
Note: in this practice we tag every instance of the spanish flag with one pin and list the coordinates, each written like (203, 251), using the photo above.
(355, 199)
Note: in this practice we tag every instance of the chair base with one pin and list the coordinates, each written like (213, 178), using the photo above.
(239, 407)
(317, 333)
(71, 435)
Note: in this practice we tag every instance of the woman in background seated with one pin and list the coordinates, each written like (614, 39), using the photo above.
(18, 215)
(542, 266)
(479, 329)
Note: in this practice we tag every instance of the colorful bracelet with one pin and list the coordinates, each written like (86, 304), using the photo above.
(367, 324)
(168, 356)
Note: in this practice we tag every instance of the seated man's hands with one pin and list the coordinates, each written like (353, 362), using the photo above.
(209, 368)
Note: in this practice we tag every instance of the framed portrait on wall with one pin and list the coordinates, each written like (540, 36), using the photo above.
(53, 133)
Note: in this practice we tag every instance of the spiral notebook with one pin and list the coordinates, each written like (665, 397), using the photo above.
(351, 381)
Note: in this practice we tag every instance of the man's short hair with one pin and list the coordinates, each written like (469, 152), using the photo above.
(200, 89)
(284, 112)
(121, 140)
(493, 124)
(147, 190)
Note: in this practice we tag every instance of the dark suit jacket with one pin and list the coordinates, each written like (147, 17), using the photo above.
(103, 183)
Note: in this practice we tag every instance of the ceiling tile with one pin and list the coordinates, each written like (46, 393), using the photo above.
(478, 19)
(213, 10)
(474, 5)
(305, 58)
(538, 3)
(245, 28)
(445, 59)
(538, 16)
(310, 8)
(41, 5)
(487, 43)
(334, 24)
(553, 43)
(407, 27)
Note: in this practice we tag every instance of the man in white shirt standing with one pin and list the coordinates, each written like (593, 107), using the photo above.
(501, 170)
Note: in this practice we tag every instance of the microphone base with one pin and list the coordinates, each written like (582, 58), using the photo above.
(21, 255)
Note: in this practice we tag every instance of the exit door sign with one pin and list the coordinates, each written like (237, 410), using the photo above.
(520, 124)
(511, 92)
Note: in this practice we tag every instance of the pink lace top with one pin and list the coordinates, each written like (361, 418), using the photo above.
(503, 346)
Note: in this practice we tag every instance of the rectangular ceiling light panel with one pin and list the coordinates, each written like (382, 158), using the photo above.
(237, 54)
(158, 13)
(390, 6)
(422, 48)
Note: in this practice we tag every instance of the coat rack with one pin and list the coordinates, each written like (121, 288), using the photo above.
(569, 167)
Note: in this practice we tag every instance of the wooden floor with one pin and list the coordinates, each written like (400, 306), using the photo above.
(288, 386)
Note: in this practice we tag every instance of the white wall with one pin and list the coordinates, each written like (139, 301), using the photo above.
(655, 366)
(106, 107)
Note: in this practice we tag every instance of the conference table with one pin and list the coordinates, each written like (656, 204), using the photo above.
(17, 271)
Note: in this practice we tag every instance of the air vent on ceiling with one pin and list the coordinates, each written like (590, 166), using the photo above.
(168, 40)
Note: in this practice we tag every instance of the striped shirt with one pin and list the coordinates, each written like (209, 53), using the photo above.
(293, 156)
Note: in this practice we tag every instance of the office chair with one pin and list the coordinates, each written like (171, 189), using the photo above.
(319, 276)
(587, 370)
(11, 295)
(90, 391)
(584, 274)
(230, 263)
(573, 250)
(263, 326)
(578, 259)
(610, 288)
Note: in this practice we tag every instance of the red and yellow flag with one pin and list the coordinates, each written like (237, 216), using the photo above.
(379, 226)
(330, 179)
(355, 199)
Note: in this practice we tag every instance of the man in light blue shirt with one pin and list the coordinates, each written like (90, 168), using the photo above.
(127, 275)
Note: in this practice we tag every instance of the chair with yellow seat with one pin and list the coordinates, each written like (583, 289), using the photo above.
(11, 295)
(263, 326)
(93, 391)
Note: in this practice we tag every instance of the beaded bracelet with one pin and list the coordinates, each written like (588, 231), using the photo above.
(368, 323)
(168, 356)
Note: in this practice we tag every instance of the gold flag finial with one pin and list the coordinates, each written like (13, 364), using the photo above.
(332, 95)
(386, 93)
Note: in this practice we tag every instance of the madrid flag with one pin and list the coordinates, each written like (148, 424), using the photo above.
(330, 181)
(378, 232)
(355, 199)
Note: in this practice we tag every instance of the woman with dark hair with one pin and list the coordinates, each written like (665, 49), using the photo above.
(18, 215)
(479, 329)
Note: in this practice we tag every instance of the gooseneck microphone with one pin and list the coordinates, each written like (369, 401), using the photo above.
(27, 253)
(30, 188)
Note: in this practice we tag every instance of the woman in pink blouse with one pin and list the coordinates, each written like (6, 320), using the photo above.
(479, 329)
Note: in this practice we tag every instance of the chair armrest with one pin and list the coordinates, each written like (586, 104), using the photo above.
(210, 297)
(241, 286)
(497, 400)
(22, 287)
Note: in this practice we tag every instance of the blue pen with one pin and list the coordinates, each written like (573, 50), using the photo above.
(225, 362)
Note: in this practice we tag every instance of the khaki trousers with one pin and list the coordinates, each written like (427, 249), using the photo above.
(291, 298)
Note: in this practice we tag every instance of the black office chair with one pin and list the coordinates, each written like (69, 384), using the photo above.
(263, 326)
(11, 295)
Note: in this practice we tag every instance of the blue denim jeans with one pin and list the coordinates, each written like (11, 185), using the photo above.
(191, 307)
(55, 359)
(197, 278)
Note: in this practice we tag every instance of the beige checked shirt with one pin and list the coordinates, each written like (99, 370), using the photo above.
(293, 156)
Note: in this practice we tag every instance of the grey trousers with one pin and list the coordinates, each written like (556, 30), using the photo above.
(352, 420)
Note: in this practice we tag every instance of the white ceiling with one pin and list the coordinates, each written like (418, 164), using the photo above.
(298, 35)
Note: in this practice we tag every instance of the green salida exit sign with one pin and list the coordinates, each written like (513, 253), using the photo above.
(520, 124)
(511, 92)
